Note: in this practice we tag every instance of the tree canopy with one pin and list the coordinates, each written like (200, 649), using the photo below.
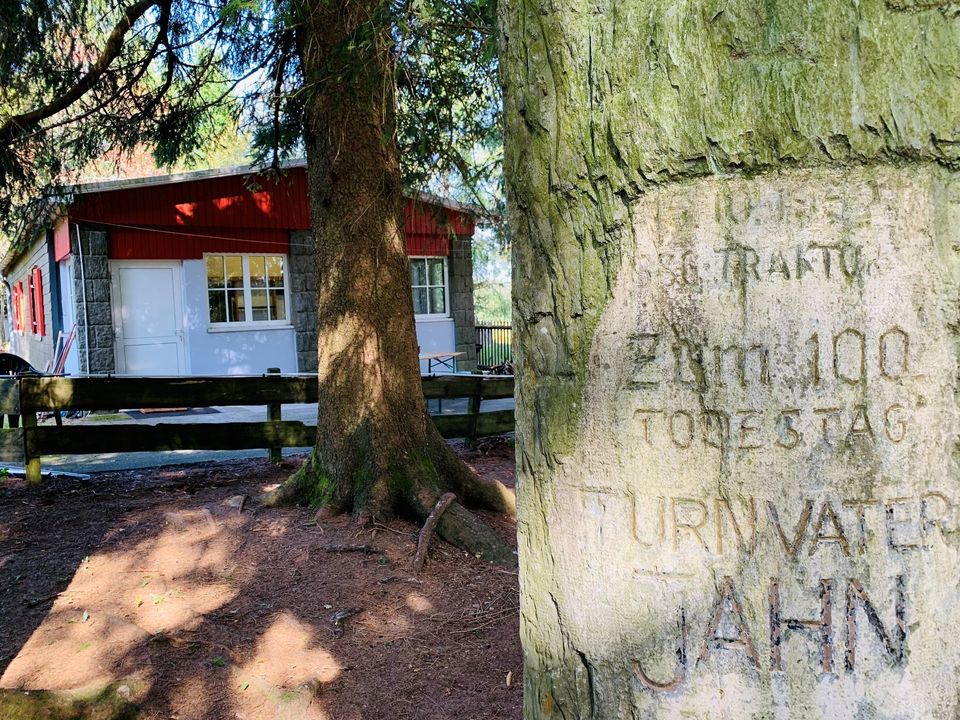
(83, 78)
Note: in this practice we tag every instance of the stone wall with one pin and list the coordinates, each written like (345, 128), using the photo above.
(94, 285)
(303, 288)
(461, 300)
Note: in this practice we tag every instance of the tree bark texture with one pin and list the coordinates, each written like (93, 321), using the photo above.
(662, 159)
(377, 451)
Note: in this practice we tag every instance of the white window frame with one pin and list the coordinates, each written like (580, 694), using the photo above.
(247, 295)
(446, 288)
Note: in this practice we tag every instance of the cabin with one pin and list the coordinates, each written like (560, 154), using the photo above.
(206, 273)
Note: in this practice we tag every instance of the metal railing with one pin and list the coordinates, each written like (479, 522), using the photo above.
(493, 345)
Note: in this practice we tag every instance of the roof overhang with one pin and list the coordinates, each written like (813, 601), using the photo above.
(20, 245)
(194, 175)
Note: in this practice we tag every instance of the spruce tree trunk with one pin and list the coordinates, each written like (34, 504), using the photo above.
(737, 272)
(377, 453)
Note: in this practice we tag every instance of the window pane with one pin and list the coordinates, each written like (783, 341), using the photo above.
(215, 271)
(218, 306)
(275, 271)
(278, 309)
(438, 300)
(420, 301)
(234, 271)
(258, 272)
(436, 271)
(258, 304)
(235, 306)
(418, 272)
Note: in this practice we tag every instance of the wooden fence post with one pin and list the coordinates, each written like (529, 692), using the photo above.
(31, 465)
(274, 415)
(473, 410)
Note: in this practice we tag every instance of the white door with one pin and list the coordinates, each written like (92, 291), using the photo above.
(148, 318)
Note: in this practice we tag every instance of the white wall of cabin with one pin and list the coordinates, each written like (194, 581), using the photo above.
(65, 268)
(229, 352)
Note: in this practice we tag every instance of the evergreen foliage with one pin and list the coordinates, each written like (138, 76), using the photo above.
(87, 78)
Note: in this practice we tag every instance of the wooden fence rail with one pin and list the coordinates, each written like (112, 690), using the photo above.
(28, 396)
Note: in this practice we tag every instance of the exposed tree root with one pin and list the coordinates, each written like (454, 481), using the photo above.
(462, 528)
(472, 489)
(426, 532)
(412, 488)
(307, 486)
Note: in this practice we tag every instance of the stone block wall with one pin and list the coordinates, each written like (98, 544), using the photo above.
(94, 285)
(460, 276)
(303, 300)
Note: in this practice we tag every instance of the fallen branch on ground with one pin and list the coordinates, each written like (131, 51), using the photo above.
(398, 578)
(368, 549)
(337, 619)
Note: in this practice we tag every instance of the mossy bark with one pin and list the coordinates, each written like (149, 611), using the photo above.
(377, 451)
(607, 102)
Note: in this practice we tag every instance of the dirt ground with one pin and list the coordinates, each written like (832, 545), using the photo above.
(156, 581)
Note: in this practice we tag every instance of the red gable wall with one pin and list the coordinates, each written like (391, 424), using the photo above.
(61, 239)
(185, 219)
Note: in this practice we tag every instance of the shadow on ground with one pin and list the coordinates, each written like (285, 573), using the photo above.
(156, 582)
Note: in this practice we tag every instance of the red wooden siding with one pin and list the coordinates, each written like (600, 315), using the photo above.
(185, 219)
(222, 202)
(427, 228)
(175, 243)
(61, 240)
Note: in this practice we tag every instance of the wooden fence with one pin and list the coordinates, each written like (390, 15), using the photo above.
(28, 396)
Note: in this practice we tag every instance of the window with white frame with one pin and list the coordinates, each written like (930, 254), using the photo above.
(246, 289)
(428, 281)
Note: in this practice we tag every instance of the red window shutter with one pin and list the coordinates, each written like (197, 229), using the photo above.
(18, 307)
(30, 298)
(38, 319)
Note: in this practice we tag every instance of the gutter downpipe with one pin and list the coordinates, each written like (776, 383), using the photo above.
(83, 295)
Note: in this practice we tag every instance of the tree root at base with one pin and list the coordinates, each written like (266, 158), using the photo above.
(426, 532)
(460, 527)
(470, 488)
(410, 487)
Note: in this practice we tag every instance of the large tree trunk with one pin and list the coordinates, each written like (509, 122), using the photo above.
(377, 451)
(736, 278)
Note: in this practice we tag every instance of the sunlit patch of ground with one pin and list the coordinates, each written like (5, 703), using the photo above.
(164, 588)
(121, 598)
